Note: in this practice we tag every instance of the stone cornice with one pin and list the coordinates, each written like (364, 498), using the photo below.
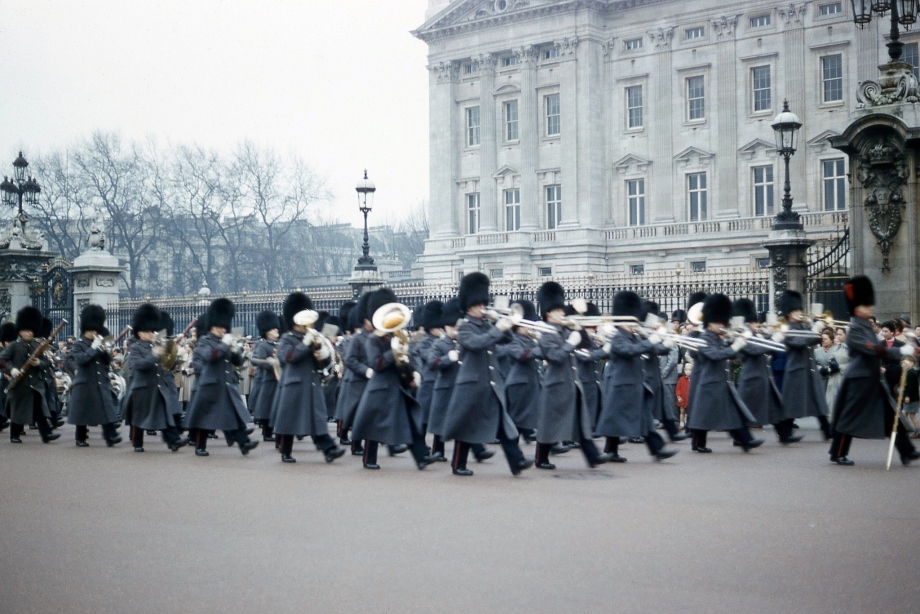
(453, 23)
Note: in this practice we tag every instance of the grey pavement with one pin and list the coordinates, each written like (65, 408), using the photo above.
(777, 530)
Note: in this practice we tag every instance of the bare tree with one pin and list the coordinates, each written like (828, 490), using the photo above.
(122, 181)
(410, 235)
(61, 213)
(279, 196)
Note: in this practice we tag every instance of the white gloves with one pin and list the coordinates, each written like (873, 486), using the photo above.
(907, 350)
(15, 373)
(669, 343)
(453, 355)
(574, 338)
(369, 373)
(739, 343)
(504, 324)
(654, 339)
(417, 378)
(778, 337)
(227, 339)
(97, 343)
(607, 347)
(308, 338)
(398, 346)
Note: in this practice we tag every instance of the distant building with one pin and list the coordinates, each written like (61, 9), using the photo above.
(625, 136)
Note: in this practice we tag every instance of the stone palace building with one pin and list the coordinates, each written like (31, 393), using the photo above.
(626, 136)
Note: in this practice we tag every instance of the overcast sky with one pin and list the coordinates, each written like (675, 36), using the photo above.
(341, 83)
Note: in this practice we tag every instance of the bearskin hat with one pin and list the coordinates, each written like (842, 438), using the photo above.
(201, 325)
(431, 314)
(7, 332)
(220, 313)
(789, 301)
(717, 309)
(745, 307)
(858, 291)
(92, 317)
(146, 318)
(679, 315)
(474, 290)
(47, 328)
(451, 312)
(103, 331)
(649, 308)
(360, 311)
(696, 297)
(628, 304)
(266, 321)
(593, 311)
(29, 318)
(321, 320)
(345, 312)
(378, 299)
(332, 320)
(294, 304)
(167, 324)
(550, 296)
(530, 312)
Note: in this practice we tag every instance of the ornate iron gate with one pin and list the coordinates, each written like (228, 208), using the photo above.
(53, 295)
(826, 275)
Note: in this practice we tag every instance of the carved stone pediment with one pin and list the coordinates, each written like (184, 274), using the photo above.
(822, 141)
(694, 156)
(757, 147)
(631, 164)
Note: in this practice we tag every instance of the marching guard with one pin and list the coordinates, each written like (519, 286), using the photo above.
(148, 403)
(387, 412)
(715, 403)
(217, 402)
(661, 408)
(26, 401)
(755, 384)
(92, 398)
(477, 412)
(357, 374)
(7, 336)
(562, 414)
(265, 361)
(803, 391)
(625, 412)
(300, 407)
(522, 385)
(443, 359)
(865, 407)
(431, 319)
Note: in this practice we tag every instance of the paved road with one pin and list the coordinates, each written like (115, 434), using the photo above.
(776, 530)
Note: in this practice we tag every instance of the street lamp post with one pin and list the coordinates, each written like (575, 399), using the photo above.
(786, 130)
(20, 188)
(365, 276)
(788, 243)
(365, 190)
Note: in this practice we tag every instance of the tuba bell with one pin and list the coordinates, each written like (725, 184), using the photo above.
(392, 319)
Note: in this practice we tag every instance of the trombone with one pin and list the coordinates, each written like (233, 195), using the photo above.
(516, 313)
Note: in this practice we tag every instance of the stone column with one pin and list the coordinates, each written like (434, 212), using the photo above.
(488, 153)
(444, 137)
(95, 274)
(788, 259)
(592, 132)
(568, 107)
(529, 121)
(660, 207)
(22, 262)
(727, 117)
(795, 68)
